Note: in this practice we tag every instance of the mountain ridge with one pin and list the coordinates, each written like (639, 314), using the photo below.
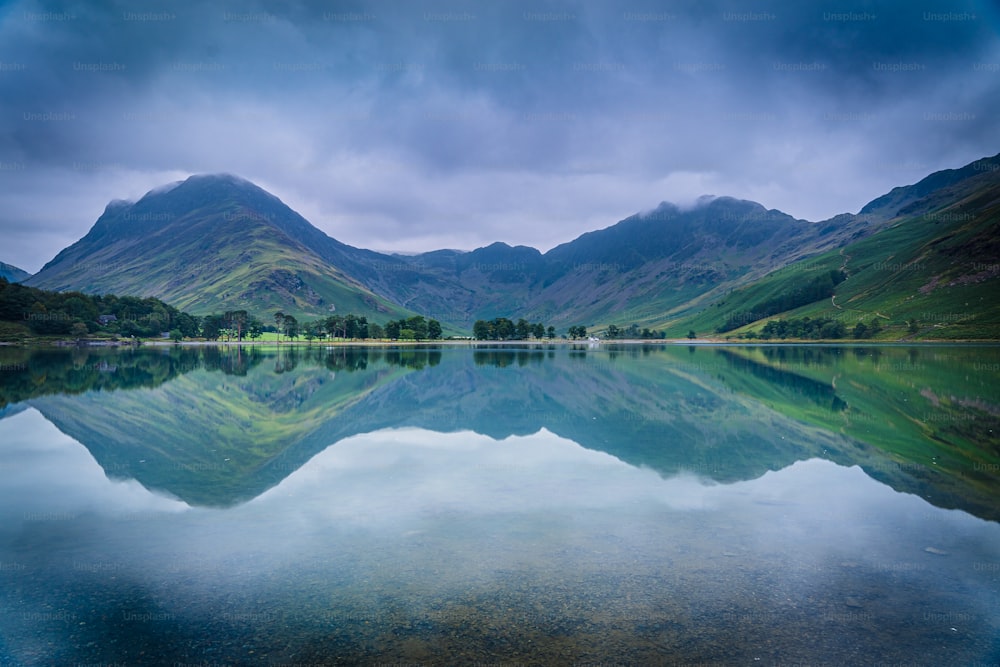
(12, 273)
(214, 243)
(658, 267)
(930, 272)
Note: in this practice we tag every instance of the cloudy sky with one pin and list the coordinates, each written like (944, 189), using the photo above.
(411, 126)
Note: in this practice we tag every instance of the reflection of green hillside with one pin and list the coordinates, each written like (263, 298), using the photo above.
(933, 411)
(919, 423)
(28, 373)
(819, 394)
(635, 403)
(208, 438)
(727, 413)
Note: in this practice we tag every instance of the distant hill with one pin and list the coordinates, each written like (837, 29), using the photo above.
(12, 274)
(932, 271)
(639, 270)
(210, 244)
(218, 242)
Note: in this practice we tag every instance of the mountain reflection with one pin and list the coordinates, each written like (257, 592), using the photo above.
(218, 426)
(398, 534)
(30, 373)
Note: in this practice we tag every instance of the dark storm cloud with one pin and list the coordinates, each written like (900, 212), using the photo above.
(428, 124)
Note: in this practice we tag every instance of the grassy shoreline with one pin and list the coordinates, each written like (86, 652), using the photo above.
(706, 342)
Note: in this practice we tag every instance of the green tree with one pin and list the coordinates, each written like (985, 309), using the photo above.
(913, 327)
(392, 328)
(538, 330)
(831, 329)
(130, 329)
(613, 331)
(255, 328)
(43, 321)
(860, 330)
(551, 333)
(79, 306)
(481, 330)
(176, 335)
(522, 329)
(334, 325)
(354, 326)
(691, 334)
(211, 327)
(350, 326)
(418, 325)
(291, 327)
(434, 330)
(279, 323)
(503, 329)
(187, 325)
(361, 327)
(375, 331)
(237, 321)
(312, 330)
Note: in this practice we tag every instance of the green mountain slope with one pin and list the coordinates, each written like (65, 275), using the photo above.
(210, 244)
(670, 261)
(936, 264)
(924, 252)
(12, 274)
(666, 261)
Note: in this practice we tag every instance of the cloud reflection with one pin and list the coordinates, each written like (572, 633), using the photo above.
(398, 524)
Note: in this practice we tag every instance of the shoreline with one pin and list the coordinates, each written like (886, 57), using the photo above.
(699, 342)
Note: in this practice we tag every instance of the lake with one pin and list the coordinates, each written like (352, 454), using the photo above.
(516, 505)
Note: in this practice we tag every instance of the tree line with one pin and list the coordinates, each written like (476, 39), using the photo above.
(78, 315)
(236, 324)
(815, 329)
(632, 331)
(357, 327)
(502, 328)
(819, 288)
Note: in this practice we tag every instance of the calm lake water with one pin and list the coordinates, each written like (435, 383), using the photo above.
(546, 505)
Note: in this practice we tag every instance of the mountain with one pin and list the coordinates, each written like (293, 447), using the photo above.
(213, 243)
(12, 274)
(931, 271)
(671, 260)
(210, 244)
(637, 270)
(939, 185)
